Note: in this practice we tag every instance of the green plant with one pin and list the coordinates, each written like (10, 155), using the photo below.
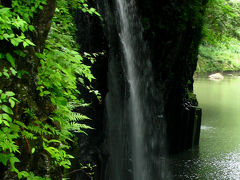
(24, 131)
(219, 49)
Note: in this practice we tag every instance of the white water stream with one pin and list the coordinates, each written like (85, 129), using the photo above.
(126, 15)
(136, 131)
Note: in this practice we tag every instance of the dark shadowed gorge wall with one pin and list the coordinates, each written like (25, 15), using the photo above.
(172, 31)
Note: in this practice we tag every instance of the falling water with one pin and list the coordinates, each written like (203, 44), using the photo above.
(135, 120)
(127, 36)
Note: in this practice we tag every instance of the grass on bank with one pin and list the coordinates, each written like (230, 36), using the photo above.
(220, 57)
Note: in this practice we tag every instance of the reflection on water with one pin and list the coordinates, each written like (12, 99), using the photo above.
(218, 156)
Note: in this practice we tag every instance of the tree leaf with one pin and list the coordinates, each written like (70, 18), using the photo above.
(25, 44)
(12, 102)
(7, 117)
(13, 160)
(4, 158)
(6, 123)
(13, 71)
(7, 109)
(15, 42)
(11, 60)
(4, 10)
(10, 93)
(31, 28)
(29, 42)
(3, 96)
(33, 150)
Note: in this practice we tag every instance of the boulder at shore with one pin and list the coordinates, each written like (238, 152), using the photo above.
(216, 76)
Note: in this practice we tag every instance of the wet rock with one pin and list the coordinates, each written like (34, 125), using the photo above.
(216, 76)
(172, 31)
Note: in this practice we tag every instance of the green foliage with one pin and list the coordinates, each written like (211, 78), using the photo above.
(61, 69)
(220, 21)
(15, 24)
(88, 169)
(220, 46)
(219, 58)
(17, 19)
(82, 4)
(9, 130)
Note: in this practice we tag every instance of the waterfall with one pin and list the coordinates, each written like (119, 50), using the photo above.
(127, 15)
(135, 120)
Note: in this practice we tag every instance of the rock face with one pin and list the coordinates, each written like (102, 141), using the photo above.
(172, 31)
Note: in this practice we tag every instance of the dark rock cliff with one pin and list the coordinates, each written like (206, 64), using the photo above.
(172, 30)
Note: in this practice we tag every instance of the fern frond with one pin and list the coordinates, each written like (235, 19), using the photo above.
(52, 129)
(74, 116)
(79, 128)
(39, 130)
(28, 135)
(84, 126)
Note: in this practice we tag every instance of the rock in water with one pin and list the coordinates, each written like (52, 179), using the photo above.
(216, 76)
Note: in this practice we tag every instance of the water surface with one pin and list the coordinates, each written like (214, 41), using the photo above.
(218, 155)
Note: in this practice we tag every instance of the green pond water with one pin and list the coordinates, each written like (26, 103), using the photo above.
(218, 155)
